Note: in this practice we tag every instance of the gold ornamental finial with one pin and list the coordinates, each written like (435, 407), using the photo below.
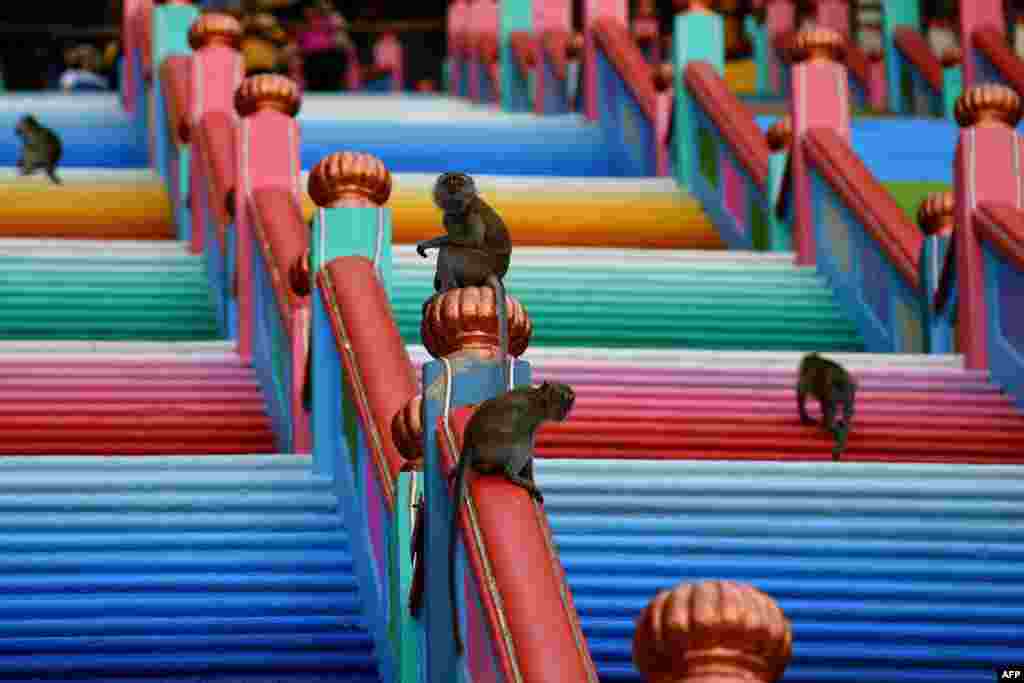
(989, 104)
(349, 177)
(407, 433)
(780, 134)
(935, 214)
(467, 319)
(268, 91)
(712, 631)
(215, 28)
(952, 56)
(819, 44)
(663, 76)
(702, 6)
(575, 47)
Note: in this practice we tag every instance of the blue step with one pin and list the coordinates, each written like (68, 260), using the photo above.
(888, 572)
(176, 569)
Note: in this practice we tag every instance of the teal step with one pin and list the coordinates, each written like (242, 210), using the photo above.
(668, 299)
(175, 568)
(65, 289)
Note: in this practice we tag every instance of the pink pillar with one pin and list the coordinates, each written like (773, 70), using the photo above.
(834, 14)
(458, 15)
(469, 39)
(217, 70)
(549, 15)
(779, 18)
(976, 14)
(819, 98)
(592, 11)
(387, 52)
(129, 43)
(986, 169)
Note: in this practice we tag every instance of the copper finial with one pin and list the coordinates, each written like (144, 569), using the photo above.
(712, 631)
(215, 28)
(702, 6)
(818, 44)
(267, 91)
(467, 319)
(407, 433)
(952, 56)
(780, 134)
(988, 104)
(349, 176)
(663, 75)
(935, 214)
(575, 46)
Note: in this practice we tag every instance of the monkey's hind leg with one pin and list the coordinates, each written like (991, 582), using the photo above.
(51, 171)
(520, 462)
(801, 406)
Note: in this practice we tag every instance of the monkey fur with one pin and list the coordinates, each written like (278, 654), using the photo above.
(41, 148)
(832, 386)
(476, 250)
(499, 439)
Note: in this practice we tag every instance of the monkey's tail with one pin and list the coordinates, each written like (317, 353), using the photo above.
(307, 380)
(52, 172)
(458, 495)
(499, 300)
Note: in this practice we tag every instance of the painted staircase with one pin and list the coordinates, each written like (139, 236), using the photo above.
(176, 569)
(903, 573)
(653, 299)
(103, 290)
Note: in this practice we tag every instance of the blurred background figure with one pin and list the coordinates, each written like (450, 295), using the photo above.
(82, 74)
(325, 46)
(263, 44)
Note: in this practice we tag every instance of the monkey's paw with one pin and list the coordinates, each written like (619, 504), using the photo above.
(421, 251)
(537, 495)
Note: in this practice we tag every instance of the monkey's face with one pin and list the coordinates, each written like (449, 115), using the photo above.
(453, 192)
(559, 399)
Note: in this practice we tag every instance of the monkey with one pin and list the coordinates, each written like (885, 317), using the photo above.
(476, 250)
(832, 385)
(41, 150)
(499, 438)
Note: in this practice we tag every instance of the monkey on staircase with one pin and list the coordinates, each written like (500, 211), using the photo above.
(831, 384)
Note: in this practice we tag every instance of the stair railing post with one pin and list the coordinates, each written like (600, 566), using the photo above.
(834, 14)
(459, 329)
(698, 35)
(987, 169)
(897, 13)
(592, 11)
(349, 190)
(779, 19)
(712, 632)
(516, 15)
(268, 157)
(819, 98)
(952, 80)
(780, 140)
(935, 217)
(170, 25)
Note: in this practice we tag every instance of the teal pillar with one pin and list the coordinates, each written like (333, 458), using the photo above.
(515, 15)
(406, 632)
(933, 258)
(952, 86)
(698, 36)
(759, 36)
(170, 37)
(897, 13)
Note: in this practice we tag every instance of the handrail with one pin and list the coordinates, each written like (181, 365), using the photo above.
(732, 118)
(216, 141)
(555, 43)
(915, 50)
(868, 199)
(282, 237)
(1002, 226)
(991, 44)
(377, 364)
(618, 45)
(524, 53)
(516, 578)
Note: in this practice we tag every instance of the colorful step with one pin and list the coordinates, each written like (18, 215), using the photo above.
(91, 398)
(103, 290)
(742, 406)
(888, 572)
(654, 299)
(176, 569)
